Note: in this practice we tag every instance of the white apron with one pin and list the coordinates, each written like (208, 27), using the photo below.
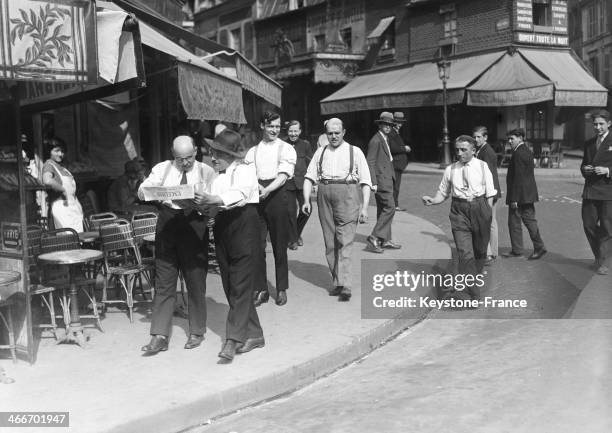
(67, 213)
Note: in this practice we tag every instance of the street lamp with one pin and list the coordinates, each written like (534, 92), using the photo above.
(444, 66)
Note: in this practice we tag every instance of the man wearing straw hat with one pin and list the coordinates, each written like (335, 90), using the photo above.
(382, 173)
(399, 152)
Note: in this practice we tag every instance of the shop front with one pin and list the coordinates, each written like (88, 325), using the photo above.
(529, 88)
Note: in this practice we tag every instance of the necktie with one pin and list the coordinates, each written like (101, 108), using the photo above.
(464, 175)
(184, 178)
(598, 142)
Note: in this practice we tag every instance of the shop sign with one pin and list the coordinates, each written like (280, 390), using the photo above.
(524, 15)
(541, 39)
(11, 236)
(559, 16)
(45, 40)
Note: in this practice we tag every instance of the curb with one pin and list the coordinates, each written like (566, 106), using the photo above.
(199, 412)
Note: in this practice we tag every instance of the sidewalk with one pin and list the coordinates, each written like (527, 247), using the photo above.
(110, 387)
(570, 169)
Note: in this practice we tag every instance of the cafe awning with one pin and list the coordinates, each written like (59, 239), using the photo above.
(251, 78)
(574, 86)
(412, 86)
(510, 81)
(382, 26)
(205, 91)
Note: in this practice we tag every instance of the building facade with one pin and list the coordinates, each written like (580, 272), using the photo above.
(510, 66)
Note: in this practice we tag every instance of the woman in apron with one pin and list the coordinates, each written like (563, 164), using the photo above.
(65, 207)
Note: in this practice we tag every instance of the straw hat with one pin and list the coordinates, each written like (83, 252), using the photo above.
(385, 117)
(229, 142)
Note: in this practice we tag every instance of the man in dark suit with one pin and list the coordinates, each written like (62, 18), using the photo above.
(485, 152)
(383, 175)
(399, 152)
(597, 195)
(521, 195)
(295, 185)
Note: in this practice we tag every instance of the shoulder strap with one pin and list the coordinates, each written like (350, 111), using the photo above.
(279, 154)
(352, 161)
(166, 172)
(320, 170)
(482, 168)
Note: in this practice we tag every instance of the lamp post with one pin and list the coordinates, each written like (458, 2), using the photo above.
(444, 74)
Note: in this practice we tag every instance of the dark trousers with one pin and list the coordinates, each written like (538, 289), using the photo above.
(396, 186)
(236, 242)
(597, 223)
(526, 213)
(385, 210)
(181, 242)
(273, 219)
(297, 218)
(471, 227)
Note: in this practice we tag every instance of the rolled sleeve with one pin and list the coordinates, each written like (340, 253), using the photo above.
(245, 186)
(445, 184)
(313, 167)
(490, 190)
(363, 170)
(288, 157)
(156, 176)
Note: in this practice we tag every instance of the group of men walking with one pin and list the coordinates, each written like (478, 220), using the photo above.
(266, 190)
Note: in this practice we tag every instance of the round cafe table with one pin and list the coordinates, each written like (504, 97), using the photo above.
(71, 258)
(89, 237)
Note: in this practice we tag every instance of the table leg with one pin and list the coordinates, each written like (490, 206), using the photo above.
(75, 331)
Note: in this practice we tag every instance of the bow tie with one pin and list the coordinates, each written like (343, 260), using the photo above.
(222, 172)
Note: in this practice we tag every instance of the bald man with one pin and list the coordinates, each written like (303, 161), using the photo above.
(181, 244)
(342, 172)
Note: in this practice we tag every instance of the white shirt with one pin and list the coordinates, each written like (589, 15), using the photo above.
(273, 157)
(199, 173)
(386, 139)
(336, 164)
(237, 186)
(480, 180)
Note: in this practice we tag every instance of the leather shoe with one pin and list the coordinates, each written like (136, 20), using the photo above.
(293, 246)
(335, 291)
(490, 260)
(603, 270)
(261, 297)
(345, 294)
(537, 254)
(156, 345)
(281, 297)
(229, 350)
(372, 245)
(250, 344)
(300, 242)
(194, 341)
(400, 209)
(512, 254)
(390, 245)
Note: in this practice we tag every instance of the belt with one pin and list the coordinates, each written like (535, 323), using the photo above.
(468, 200)
(182, 212)
(337, 182)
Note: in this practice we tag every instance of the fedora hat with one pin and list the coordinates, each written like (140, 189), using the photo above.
(398, 117)
(229, 142)
(385, 117)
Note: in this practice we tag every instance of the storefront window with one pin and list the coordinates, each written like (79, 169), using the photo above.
(536, 122)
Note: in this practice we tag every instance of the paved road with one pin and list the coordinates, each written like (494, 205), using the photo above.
(456, 373)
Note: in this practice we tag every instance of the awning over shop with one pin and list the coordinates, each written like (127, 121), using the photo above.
(251, 78)
(382, 26)
(414, 86)
(574, 86)
(205, 91)
(510, 81)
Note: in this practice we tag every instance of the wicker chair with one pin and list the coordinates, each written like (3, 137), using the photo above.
(94, 221)
(122, 261)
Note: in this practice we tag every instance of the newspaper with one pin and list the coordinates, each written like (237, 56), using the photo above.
(163, 193)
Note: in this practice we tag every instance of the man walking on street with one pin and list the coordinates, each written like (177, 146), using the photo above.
(470, 184)
(399, 152)
(597, 194)
(521, 194)
(485, 152)
(383, 176)
(181, 243)
(274, 162)
(340, 170)
(295, 186)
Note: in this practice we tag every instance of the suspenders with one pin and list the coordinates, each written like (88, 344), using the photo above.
(352, 163)
(278, 157)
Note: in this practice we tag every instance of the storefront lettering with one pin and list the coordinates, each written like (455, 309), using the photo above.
(543, 39)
